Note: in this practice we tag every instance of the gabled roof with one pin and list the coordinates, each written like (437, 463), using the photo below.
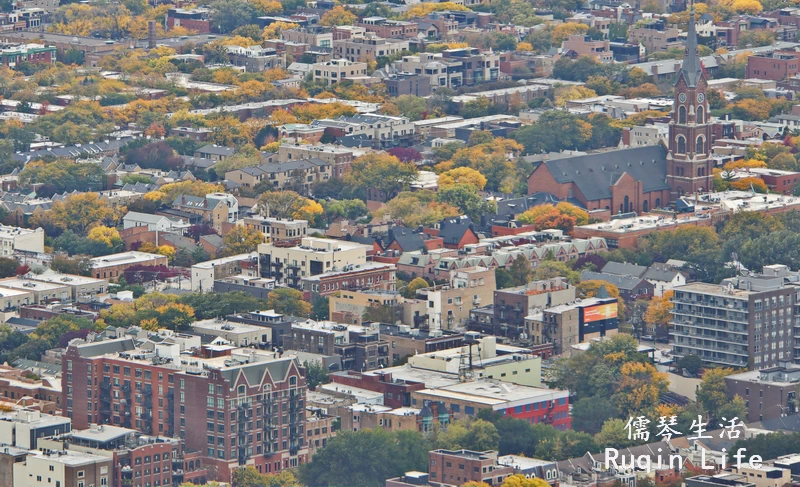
(595, 174)
(623, 283)
(406, 239)
(452, 230)
(254, 373)
(624, 269)
(217, 150)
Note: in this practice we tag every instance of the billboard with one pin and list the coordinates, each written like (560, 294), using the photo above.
(600, 312)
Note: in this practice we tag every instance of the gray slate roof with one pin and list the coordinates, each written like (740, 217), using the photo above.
(624, 269)
(594, 174)
(623, 283)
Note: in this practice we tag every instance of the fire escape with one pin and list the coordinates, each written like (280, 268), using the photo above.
(171, 411)
(126, 404)
(270, 424)
(177, 468)
(241, 415)
(147, 410)
(296, 425)
(105, 401)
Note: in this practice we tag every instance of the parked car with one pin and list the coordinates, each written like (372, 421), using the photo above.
(648, 338)
(662, 340)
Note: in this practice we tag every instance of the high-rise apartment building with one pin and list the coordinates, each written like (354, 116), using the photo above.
(252, 404)
(742, 322)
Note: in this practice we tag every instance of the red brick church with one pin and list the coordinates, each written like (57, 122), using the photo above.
(643, 178)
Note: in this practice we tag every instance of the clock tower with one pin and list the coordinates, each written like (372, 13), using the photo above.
(688, 163)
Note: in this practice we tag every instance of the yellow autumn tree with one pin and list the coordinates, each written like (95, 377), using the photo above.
(639, 387)
(524, 47)
(107, 235)
(309, 112)
(744, 163)
(567, 93)
(423, 9)
(268, 7)
(461, 175)
(188, 188)
(562, 31)
(743, 6)
(519, 480)
(659, 311)
(581, 216)
(273, 30)
(338, 15)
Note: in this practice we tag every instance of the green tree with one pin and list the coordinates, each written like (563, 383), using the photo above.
(380, 172)
(365, 458)
(503, 278)
(316, 374)
(216, 305)
(465, 197)
(320, 308)
(556, 130)
(413, 107)
(613, 435)
(735, 408)
(589, 414)
(8, 266)
(692, 363)
(520, 270)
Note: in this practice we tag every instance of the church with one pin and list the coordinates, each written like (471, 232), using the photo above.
(640, 179)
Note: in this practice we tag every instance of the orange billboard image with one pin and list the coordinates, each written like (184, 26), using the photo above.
(600, 312)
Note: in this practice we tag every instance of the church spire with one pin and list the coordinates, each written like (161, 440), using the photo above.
(692, 70)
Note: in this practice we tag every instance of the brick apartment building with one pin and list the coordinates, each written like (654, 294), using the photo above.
(253, 405)
(112, 266)
(196, 19)
(457, 467)
(775, 66)
(360, 347)
(768, 393)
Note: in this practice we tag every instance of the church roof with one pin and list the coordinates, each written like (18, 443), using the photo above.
(692, 69)
(594, 174)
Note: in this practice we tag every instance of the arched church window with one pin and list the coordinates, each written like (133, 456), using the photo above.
(681, 143)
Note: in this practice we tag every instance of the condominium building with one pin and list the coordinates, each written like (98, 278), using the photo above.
(288, 265)
(20, 239)
(335, 70)
(62, 469)
(742, 322)
(253, 404)
(112, 266)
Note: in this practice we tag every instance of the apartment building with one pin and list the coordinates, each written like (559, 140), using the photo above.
(253, 404)
(284, 232)
(368, 48)
(137, 459)
(441, 73)
(335, 70)
(512, 305)
(24, 427)
(449, 304)
(383, 130)
(575, 322)
(360, 347)
(655, 37)
(299, 175)
(580, 45)
(390, 29)
(13, 239)
(42, 291)
(372, 276)
(313, 36)
(339, 158)
(196, 19)
(477, 66)
(742, 322)
(778, 65)
(62, 469)
(112, 266)
(288, 265)
(205, 273)
(769, 393)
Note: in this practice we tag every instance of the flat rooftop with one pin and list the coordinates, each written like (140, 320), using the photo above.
(24, 284)
(71, 458)
(102, 433)
(124, 258)
(225, 260)
(224, 326)
(495, 393)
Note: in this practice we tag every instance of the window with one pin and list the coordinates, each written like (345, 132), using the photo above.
(700, 145)
(682, 114)
(681, 144)
(700, 115)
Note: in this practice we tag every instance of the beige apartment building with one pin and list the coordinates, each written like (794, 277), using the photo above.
(581, 45)
(335, 70)
(370, 47)
(449, 304)
(314, 256)
(297, 175)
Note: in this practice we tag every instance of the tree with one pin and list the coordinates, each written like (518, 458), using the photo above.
(157, 155)
(380, 172)
(288, 301)
(520, 270)
(465, 197)
(590, 413)
(555, 131)
(659, 312)
(416, 284)
(320, 309)
(316, 374)
(692, 363)
(241, 240)
(639, 387)
(338, 15)
(282, 204)
(713, 392)
(503, 278)
(227, 15)
(519, 480)
(613, 435)
(366, 458)
(8, 267)
(733, 410)
(78, 212)
(462, 175)
(208, 305)
(413, 107)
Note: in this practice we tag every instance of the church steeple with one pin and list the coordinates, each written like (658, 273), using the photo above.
(691, 70)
